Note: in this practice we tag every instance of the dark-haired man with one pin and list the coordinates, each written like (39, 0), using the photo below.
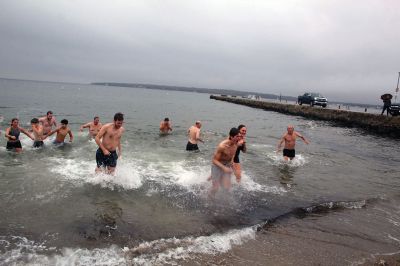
(62, 133)
(37, 131)
(109, 139)
(165, 126)
(94, 127)
(47, 122)
(221, 168)
(194, 137)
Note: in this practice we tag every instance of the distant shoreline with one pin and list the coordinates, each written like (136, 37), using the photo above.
(372, 123)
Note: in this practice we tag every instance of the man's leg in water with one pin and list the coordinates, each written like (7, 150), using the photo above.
(110, 170)
(226, 182)
(214, 189)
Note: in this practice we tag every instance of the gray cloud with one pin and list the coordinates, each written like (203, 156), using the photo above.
(347, 50)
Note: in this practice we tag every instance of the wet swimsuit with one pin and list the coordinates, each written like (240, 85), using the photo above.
(191, 147)
(217, 173)
(289, 153)
(236, 158)
(13, 144)
(38, 143)
(106, 160)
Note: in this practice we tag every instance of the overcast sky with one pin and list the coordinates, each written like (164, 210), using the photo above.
(346, 50)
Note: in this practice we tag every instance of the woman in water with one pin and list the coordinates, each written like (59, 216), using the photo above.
(241, 147)
(12, 135)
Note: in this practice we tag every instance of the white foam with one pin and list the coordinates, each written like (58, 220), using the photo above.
(157, 252)
(277, 159)
(248, 184)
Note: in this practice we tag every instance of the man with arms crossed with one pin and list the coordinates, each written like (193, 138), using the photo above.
(47, 122)
(194, 137)
(109, 139)
(94, 127)
(290, 141)
(221, 168)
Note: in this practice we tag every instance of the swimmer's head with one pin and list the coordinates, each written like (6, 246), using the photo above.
(49, 115)
(118, 120)
(14, 121)
(234, 134)
(34, 121)
(166, 119)
(242, 130)
(64, 123)
(198, 124)
(96, 120)
(290, 129)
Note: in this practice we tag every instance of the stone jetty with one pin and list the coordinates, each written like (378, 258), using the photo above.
(373, 123)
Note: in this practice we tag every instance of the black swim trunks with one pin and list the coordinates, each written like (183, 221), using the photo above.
(106, 160)
(289, 153)
(191, 147)
(13, 145)
(38, 143)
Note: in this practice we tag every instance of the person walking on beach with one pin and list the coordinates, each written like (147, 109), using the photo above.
(290, 141)
(165, 126)
(61, 133)
(221, 167)
(12, 135)
(109, 139)
(37, 130)
(47, 122)
(386, 98)
(241, 147)
(94, 127)
(194, 137)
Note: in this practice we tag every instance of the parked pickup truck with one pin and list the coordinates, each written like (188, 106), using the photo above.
(312, 99)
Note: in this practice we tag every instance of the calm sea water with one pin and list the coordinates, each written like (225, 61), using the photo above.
(54, 209)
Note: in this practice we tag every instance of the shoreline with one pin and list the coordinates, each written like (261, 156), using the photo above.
(372, 123)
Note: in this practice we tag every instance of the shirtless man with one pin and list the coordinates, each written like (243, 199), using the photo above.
(165, 126)
(221, 168)
(37, 130)
(94, 127)
(194, 137)
(61, 133)
(109, 139)
(47, 122)
(290, 141)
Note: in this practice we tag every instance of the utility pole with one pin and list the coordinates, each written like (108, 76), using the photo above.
(397, 88)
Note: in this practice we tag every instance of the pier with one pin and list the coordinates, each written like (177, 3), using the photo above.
(373, 123)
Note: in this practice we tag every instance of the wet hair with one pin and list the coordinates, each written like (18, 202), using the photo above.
(35, 121)
(241, 126)
(166, 119)
(198, 122)
(49, 112)
(233, 132)
(12, 120)
(119, 117)
(64, 121)
(95, 117)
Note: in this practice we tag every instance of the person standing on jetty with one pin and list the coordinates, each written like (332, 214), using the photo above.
(290, 141)
(109, 139)
(165, 126)
(12, 135)
(47, 122)
(386, 98)
(38, 136)
(62, 133)
(94, 127)
(241, 147)
(221, 167)
(194, 137)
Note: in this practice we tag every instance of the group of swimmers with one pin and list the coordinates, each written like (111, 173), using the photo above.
(225, 160)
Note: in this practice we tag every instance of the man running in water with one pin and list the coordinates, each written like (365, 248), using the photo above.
(165, 126)
(221, 168)
(94, 127)
(47, 122)
(194, 137)
(62, 133)
(38, 136)
(290, 141)
(12, 135)
(109, 139)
